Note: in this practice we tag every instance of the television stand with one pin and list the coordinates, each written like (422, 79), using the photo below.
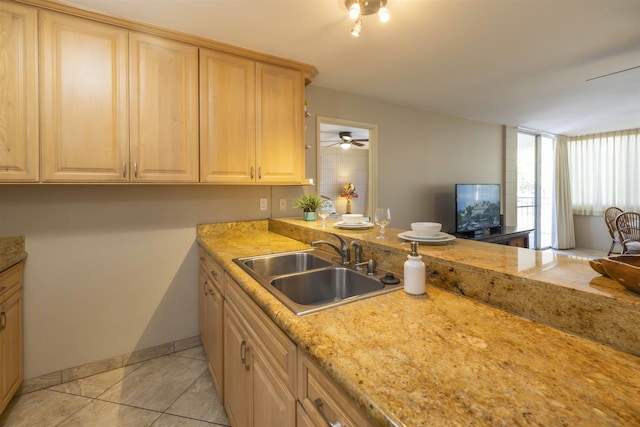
(511, 236)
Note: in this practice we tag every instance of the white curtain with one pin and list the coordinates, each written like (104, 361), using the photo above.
(605, 171)
(562, 231)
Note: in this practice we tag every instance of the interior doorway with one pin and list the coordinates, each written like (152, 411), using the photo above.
(347, 155)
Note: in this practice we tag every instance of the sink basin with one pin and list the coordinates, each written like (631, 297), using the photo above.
(322, 286)
(276, 265)
(307, 281)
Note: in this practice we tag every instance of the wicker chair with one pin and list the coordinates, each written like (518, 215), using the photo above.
(610, 215)
(628, 226)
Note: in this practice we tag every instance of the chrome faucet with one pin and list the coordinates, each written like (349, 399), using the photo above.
(343, 251)
(357, 251)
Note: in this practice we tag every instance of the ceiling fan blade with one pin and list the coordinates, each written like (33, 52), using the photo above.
(358, 144)
(611, 74)
(361, 140)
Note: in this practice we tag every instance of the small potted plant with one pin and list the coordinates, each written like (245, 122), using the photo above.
(309, 203)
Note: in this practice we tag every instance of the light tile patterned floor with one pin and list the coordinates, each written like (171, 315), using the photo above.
(174, 390)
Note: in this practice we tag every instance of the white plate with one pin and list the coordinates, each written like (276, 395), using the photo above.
(359, 226)
(406, 235)
(439, 236)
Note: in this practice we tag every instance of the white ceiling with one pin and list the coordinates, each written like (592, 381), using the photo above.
(515, 62)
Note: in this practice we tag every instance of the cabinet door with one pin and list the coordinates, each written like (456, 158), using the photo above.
(227, 118)
(18, 93)
(83, 69)
(280, 132)
(273, 403)
(215, 333)
(164, 109)
(11, 350)
(202, 306)
(238, 399)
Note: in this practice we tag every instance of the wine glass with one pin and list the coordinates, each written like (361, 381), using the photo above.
(325, 210)
(382, 218)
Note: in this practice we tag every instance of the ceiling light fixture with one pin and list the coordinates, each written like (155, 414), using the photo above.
(345, 145)
(359, 8)
(357, 27)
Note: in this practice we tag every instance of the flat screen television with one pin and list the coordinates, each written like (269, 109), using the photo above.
(477, 208)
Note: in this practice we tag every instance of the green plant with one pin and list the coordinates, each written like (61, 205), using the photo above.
(308, 202)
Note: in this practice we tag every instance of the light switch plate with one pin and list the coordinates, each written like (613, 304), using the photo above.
(283, 204)
(263, 204)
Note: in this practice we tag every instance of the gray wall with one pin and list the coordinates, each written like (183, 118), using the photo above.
(421, 155)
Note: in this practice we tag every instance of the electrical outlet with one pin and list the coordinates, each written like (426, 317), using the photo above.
(283, 204)
(263, 204)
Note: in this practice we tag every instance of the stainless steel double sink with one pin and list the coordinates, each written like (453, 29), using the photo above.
(308, 280)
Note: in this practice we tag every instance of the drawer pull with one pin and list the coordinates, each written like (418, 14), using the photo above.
(318, 404)
(3, 320)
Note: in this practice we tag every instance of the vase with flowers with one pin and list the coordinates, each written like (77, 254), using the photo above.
(349, 192)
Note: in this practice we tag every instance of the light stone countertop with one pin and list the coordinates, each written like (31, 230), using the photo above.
(443, 359)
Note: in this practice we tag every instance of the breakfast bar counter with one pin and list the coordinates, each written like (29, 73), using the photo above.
(442, 358)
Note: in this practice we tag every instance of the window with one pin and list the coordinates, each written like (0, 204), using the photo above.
(535, 174)
(605, 171)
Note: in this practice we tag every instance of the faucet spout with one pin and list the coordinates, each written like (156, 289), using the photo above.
(343, 251)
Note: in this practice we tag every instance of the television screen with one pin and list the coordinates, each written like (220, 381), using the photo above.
(477, 207)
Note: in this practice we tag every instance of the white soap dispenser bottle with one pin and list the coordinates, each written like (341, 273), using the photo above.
(414, 272)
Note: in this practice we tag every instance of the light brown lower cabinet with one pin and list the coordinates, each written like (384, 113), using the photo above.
(259, 365)
(211, 303)
(268, 381)
(11, 338)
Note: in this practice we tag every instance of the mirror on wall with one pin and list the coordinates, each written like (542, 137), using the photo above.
(347, 155)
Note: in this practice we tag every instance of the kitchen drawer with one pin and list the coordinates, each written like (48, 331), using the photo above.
(277, 347)
(213, 269)
(325, 402)
(10, 280)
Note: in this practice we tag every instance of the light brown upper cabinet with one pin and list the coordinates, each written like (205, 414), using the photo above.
(83, 91)
(251, 121)
(164, 109)
(18, 93)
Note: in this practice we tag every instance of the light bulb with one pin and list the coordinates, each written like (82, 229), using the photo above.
(384, 14)
(354, 11)
(355, 32)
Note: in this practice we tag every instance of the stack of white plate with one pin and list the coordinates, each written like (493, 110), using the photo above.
(440, 237)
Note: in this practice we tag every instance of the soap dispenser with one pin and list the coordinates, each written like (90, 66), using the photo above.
(414, 272)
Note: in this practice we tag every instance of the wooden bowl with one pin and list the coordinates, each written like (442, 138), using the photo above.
(596, 264)
(625, 269)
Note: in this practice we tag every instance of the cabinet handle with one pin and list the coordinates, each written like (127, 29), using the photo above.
(318, 404)
(135, 169)
(3, 320)
(124, 169)
(244, 349)
(259, 172)
(252, 172)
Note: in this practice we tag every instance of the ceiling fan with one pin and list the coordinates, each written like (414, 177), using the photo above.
(346, 141)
